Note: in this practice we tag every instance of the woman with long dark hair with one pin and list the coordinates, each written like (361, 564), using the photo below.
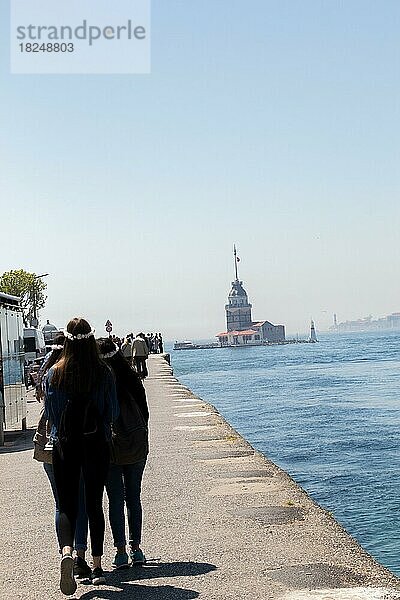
(81, 404)
(43, 452)
(129, 449)
(42, 443)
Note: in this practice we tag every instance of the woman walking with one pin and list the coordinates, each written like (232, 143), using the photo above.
(81, 405)
(42, 443)
(129, 449)
(43, 452)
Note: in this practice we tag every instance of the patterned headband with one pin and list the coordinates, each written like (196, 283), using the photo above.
(78, 336)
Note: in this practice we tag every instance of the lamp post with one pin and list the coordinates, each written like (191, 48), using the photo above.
(34, 320)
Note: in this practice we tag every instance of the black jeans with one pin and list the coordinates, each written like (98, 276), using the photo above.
(140, 364)
(91, 457)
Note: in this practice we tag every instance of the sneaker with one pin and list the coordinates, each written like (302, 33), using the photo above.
(67, 581)
(121, 561)
(97, 576)
(137, 557)
(81, 568)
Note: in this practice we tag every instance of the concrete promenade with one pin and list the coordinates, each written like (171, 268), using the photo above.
(220, 520)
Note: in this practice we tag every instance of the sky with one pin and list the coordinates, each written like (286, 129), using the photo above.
(270, 124)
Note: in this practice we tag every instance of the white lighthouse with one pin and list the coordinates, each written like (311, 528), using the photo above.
(313, 335)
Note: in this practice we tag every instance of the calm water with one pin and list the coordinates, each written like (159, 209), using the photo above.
(327, 413)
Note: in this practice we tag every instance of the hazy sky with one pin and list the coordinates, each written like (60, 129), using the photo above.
(272, 124)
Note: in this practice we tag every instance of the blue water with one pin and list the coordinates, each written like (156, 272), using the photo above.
(327, 413)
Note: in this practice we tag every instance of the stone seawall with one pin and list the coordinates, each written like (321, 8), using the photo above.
(263, 534)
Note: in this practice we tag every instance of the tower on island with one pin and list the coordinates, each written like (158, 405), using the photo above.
(238, 309)
(241, 330)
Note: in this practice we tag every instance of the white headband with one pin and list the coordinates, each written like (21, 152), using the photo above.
(110, 354)
(78, 336)
(56, 347)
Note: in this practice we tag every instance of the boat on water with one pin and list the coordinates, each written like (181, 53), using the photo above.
(185, 345)
(189, 345)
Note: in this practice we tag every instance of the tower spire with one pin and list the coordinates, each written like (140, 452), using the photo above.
(235, 258)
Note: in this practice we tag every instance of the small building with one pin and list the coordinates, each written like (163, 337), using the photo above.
(13, 408)
(241, 330)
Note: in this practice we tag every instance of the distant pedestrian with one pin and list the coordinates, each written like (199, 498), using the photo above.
(155, 344)
(81, 404)
(49, 360)
(117, 341)
(129, 449)
(160, 344)
(126, 350)
(140, 353)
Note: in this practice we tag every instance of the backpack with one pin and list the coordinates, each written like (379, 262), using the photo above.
(129, 436)
(79, 420)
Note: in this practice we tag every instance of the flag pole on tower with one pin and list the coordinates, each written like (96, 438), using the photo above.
(236, 259)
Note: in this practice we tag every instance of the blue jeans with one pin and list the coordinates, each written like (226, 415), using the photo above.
(124, 485)
(81, 523)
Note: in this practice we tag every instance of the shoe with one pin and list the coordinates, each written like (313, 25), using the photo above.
(97, 576)
(67, 581)
(121, 561)
(137, 557)
(81, 568)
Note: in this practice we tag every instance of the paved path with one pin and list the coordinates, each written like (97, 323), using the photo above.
(221, 521)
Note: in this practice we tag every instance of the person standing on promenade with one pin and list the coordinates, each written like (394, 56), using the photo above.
(129, 450)
(140, 353)
(155, 344)
(126, 350)
(160, 343)
(81, 404)
(149, 341)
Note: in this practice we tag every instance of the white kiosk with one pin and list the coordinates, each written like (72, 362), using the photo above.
(12, 357)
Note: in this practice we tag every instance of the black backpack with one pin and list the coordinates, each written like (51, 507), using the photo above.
(79, 421)
(130, 436)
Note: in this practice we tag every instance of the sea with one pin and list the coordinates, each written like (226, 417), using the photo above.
(327, 413)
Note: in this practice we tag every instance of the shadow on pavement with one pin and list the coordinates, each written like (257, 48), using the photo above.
(124, 586)
(144, 592)
(152, 570)
(17, 441)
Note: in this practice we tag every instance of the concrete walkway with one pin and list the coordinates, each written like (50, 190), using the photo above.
(221, 521)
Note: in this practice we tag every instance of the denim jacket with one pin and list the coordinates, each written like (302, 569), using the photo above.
(104, 396)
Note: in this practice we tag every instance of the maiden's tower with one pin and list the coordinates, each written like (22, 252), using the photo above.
(241, 330)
